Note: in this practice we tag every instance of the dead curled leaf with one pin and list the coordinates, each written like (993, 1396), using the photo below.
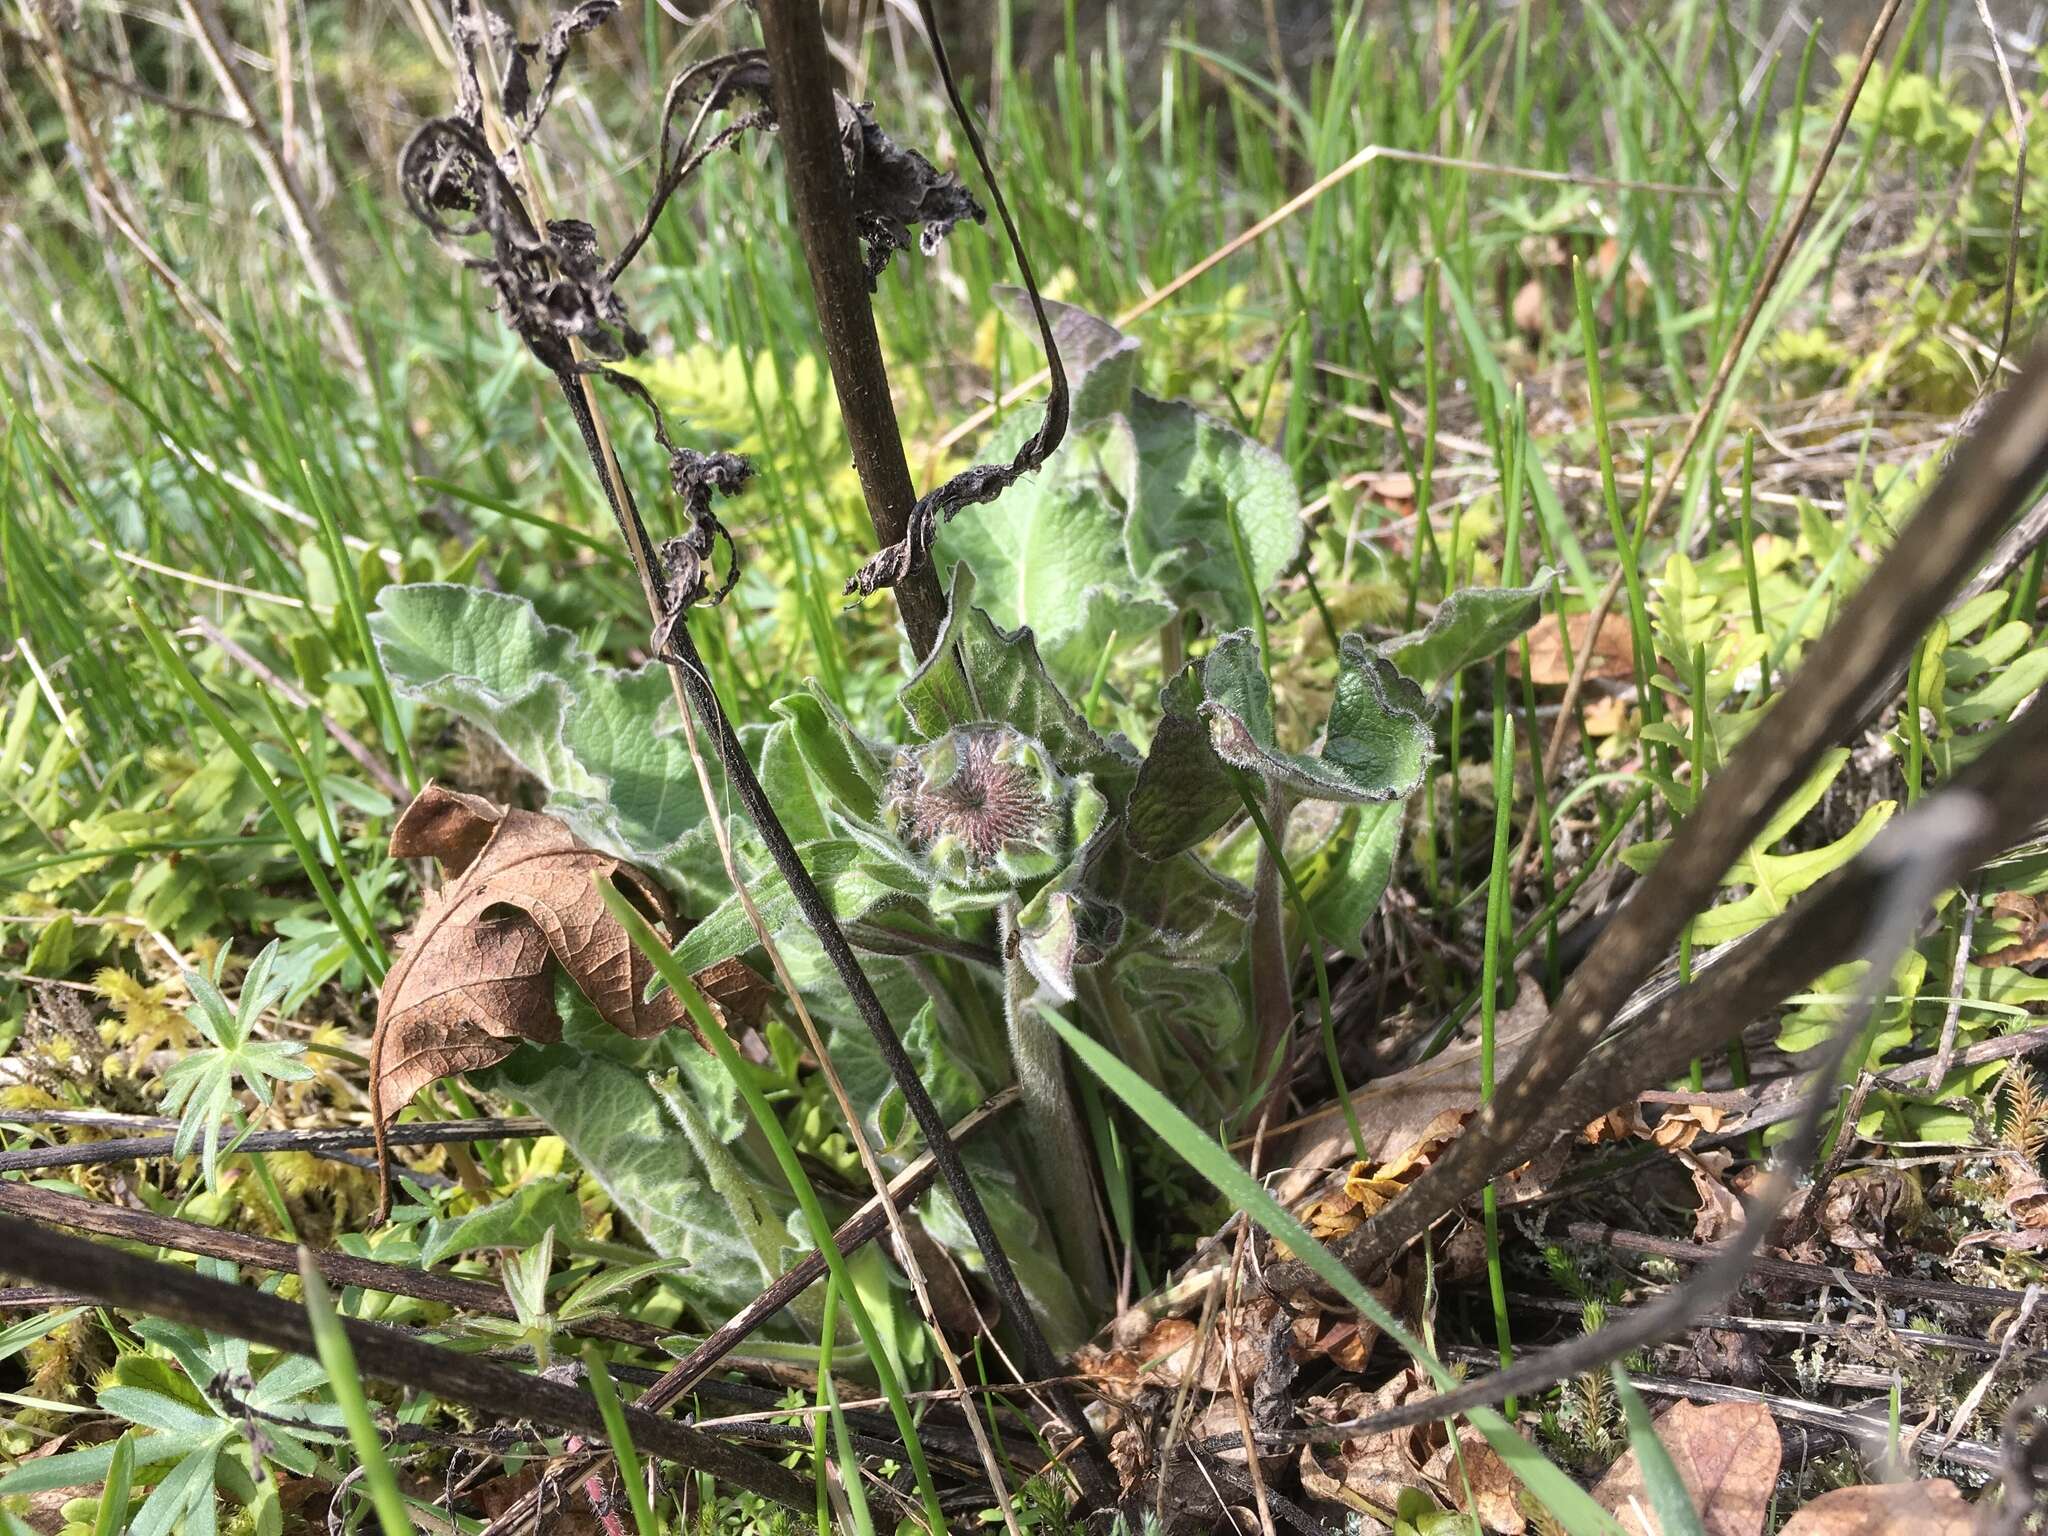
(1727, 1455)
(1366, 1191)
(1475, 1479)
(1933, 1508)
(1863, 1205)
(471, 979)
(1370, 1471)
(1613, 651)
(2031, 942)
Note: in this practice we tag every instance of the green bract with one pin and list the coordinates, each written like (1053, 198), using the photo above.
(986, 808)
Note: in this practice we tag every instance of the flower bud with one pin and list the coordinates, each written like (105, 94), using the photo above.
(986, 808)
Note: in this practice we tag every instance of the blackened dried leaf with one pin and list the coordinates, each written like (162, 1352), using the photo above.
(525, 106)
(894, 187)
(552, 286)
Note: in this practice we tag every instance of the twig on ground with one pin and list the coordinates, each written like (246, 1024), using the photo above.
(1816, 1277)
(2013, 1334)
(54, 1209)
(1945, 1051)
(123, 1280)
(426, 1133)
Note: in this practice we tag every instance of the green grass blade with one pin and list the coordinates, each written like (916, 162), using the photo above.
(621, 1437)
(1669, 1500)
(332, 1341)
(1208, 1157)
(792, 1170)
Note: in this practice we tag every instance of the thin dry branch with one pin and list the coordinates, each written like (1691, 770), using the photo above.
(116, 1278)
(59, 1210)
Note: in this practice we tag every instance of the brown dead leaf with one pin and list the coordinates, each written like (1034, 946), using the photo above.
(1727, 1455)
(1720, 1212)
(2026, 1200)
(1684, 1125)
(1172, 1351)
(1613, 652)
(1863, 1205)
(2031, 943)
(1476, 1480)
(1367, 1191)
(1934, 1508)
(471, 978)
(1370, 1471)
(1679, 1127)
(1402, 1110)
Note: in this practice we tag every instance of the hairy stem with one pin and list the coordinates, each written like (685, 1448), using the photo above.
(1272, 969)
(1064, 1174)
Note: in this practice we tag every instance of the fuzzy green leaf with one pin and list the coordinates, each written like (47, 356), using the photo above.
(1195, 490)
(1052, 557)
(615, 1125)
(980, 672)
(1350, 893)
(1101, 362)
(1374, 748)
(542, 1205)
(852, 877)
(607, 744)
(1472, 625)
(1182, 794)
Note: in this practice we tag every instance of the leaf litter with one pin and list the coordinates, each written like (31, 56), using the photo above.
(473, 976)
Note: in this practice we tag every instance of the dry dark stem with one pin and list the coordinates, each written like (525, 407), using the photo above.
(1817, 934)
(687, 670)
(1812, 1277)
(54, 1209)
(1993, 474)
(115, 1278)
(808, 123)
(1915, 858)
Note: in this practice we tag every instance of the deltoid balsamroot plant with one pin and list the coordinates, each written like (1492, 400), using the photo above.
(994, 856)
